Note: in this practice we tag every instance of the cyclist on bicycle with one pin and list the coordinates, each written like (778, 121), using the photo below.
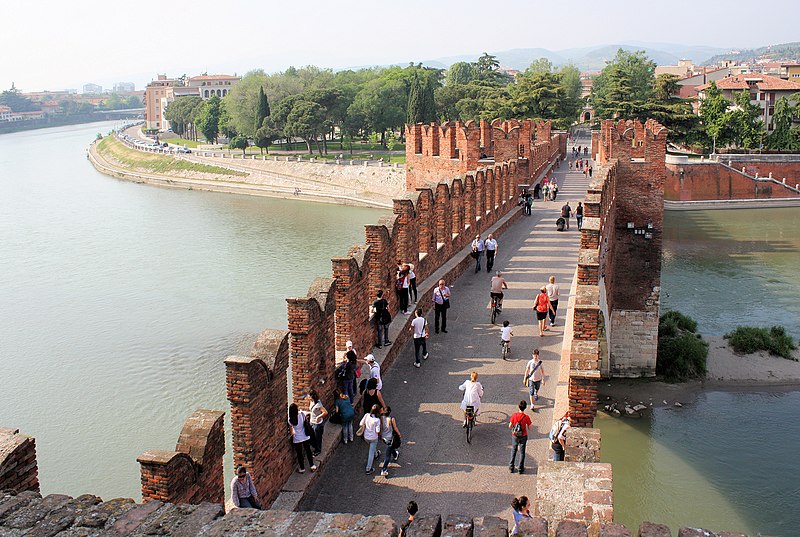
(505, 335)
(497, 286)
(473, 391)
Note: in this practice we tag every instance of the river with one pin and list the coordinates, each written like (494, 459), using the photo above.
(726, 460)
(119, 301)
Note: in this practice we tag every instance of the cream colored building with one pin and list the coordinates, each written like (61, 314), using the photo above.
(210, 85)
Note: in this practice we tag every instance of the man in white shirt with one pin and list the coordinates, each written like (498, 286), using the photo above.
(552, 294)
(473, 391)
(534, 377)
(374, 370)
(491, 250)
(419, 330)
(478, 247)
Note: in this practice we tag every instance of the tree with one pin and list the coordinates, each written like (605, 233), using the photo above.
(262, 110)
(676, 114)
(429, 96)
(745, 120)
(208, 119)
(239, 142)
(14, 100)
(264, 136)
(306, 120)
(415, 104)
(244, 101)
(382, 104)
(785, 136)
(713, 110)
(181, 113)
(226, 127)
(624, 86)
(542, 65)
(488, 69)
(460, 73)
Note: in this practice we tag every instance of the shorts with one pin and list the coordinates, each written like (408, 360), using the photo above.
(533, 386)
(541, 315)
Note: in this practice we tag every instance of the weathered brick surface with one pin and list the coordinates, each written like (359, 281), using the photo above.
(574, 491)
(193, 473)
(648, 529)
(695, 532)
(583, 445)
(708, 180)
(571, 528)
(18, 469)
(614, 530)
(457, 526)
(489, 526)
(532, 527)
(425, 526)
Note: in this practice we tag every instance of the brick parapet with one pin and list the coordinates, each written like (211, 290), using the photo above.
(583, 445)
(19, 471)
(193, 473)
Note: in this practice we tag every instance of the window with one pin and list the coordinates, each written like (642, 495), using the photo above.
(206, 94)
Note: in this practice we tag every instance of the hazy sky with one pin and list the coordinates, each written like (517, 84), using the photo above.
(55, 44)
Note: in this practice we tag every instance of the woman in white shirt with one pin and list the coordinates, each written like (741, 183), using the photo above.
(300, 440)
(473, 391)
(372, 433)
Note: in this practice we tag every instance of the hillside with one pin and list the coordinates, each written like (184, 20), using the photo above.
(784, 51)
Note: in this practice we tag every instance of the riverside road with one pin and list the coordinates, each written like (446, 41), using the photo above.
(437, 468)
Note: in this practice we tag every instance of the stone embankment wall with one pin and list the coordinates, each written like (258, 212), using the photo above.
(431, 226)
(18, 468)
(733, 177)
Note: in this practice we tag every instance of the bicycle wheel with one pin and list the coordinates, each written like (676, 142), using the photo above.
(494, 313)
(469, 431)
(505, 350)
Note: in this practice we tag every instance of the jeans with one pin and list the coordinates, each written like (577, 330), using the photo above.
(402, 294)
(579, 219)
(412, 289)
(249, 503)
(489, 260)
(478, 256)
(299, 447)
(558, 452)
(383, 330)
(439, 310)
(518, 442)
(552, 314)
(347, 430)
(373, 447)
(419, 342)
(388, 457)
(318, 430)
(348, 388)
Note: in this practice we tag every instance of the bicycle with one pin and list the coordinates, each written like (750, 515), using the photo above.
(504, 349)
(496, 307)
(469, 416)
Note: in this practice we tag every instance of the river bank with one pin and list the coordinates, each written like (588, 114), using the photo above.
(727, 370)
(373, 187)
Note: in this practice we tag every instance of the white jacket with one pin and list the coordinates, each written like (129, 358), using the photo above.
(473, 391)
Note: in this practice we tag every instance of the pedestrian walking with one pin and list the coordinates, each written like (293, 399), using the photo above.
(478, 246)
(534, 377)
(441, 303)
(579, 215)
(558, 437)
(553, 191)
(370, 427)
(566, 212)
(552, 294)
(419, 331)
(522, 509)
(528, 203)
(243, 490)
(491, 251)
(542, 306)
(374, 370)
(347, 413)
(390, 435)
(372, 395)
(318, 415)
(590, 171)
(299, 430)
(519, 424)
(383, 319)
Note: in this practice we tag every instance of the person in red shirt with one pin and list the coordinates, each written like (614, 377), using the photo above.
(519, 424)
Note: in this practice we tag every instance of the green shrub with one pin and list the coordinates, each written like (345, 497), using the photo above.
(682, 353)
(749, 339)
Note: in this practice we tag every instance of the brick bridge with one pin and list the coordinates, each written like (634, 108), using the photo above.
(463, 179)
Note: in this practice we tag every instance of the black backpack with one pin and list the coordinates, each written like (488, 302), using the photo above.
(341, 371)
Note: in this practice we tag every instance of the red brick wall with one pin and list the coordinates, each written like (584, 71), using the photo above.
(18, 469)
(713, 181)
(193, 473)
(257, 394)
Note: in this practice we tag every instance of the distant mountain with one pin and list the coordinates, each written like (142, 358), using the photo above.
(784, 51)
(588, 58)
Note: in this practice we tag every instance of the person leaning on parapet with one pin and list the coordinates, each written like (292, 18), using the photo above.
(558, 437)
(491, 251)
(478, 247)
(243, 491)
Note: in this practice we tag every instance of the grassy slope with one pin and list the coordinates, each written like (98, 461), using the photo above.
(112, 149)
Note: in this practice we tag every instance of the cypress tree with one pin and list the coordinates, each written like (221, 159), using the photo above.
(262, 110)
(415, 102)
(428, 101)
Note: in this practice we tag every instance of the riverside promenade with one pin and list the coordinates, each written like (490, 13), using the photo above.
(437, 468)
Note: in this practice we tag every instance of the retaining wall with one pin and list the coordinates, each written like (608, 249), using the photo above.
(18, 469)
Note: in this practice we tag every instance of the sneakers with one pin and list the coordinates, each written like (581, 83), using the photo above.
(378, 347)
(313, 467)
(443, 330)
(417, 364)
(464, 425)
(387, 343)
(370, 471)
(396, 455)
(511, 469)
(301, 470)
(522, 470)
(536, 396)
(384, 473)
(378, 454)
(425, 356)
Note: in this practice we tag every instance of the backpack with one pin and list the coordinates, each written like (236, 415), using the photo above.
(565, 211)
(555, 430)
(341, 370)
(398, 284)
(517, 430)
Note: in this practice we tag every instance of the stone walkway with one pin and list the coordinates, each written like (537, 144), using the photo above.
(437, 468)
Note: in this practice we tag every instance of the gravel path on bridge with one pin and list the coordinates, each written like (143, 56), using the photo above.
(437, 468)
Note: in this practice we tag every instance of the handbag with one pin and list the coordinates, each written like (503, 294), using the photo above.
(396, 441)
(446, 302)
(335, 417)
(362, 427)
(308, 429)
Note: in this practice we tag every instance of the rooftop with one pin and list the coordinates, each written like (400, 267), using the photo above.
(761, 81)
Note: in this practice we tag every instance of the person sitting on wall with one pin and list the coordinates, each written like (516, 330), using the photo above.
(243, 491)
